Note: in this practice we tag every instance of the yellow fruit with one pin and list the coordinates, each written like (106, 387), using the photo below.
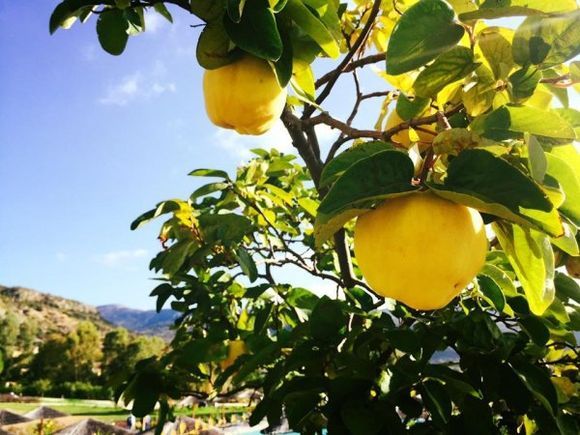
(402, 136)
(420, 249)
(235, 349)
(573, 267)
(244, 96)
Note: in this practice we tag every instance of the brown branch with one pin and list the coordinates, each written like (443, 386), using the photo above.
(354, 133)
(295, 128)
(309, 110)
(566, 78)
(363, 61)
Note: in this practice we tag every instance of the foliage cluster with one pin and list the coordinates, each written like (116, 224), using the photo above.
(346, 360)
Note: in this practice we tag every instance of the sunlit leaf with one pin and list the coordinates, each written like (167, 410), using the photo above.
(424, 31)
(531, 256)
(447, 68)
(547, 41)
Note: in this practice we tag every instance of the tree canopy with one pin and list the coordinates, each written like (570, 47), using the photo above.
(483, 120)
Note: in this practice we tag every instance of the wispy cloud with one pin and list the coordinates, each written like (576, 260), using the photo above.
(121, 258)
(138, 86)
(239, 146)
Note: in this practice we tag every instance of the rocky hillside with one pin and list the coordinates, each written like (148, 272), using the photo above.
(148, 322)
(56, 314)
(50, 313)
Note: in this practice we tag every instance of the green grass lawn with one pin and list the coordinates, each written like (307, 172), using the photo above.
(104, 410)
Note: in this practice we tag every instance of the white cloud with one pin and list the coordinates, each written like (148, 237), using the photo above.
(239, 146)
(138, 86)
(122, 258)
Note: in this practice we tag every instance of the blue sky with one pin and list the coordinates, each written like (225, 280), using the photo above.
(88, 141)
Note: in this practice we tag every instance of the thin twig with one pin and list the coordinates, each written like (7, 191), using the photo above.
(363, 61)
(309, 110)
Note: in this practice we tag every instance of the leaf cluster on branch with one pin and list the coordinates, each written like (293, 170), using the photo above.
(466, 112)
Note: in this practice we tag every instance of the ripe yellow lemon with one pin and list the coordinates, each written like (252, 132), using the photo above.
(420, 249)
(402, 136)
(235, 349)
(244, 96)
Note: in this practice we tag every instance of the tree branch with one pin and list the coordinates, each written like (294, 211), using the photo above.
(363, 61)
(354, 133)
(295, 128)
(309, 110)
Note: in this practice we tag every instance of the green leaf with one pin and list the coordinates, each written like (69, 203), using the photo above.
(424, 31)
(235, 9)
(327, 320)
(163, 292)
(162, 10)
(176, 255)
(247, 264)
(208, 189)
(448, 68)
(145, 388)
(312, 26)
(283, 66)
(404, 340)
(491, 9)
(502, 279)
(496, 46)
(567, 242)
(336, 167)
(65, 11)
(492, 291)
(209, 173)
(452, 379)
(203, 350)
(162, 208)
(213, 48)
(569, 179)
(478, 179)
(359, 419)
(135, 20)
(302, 298)
(257, 32)
(408, 109)
(538, 382)
(566, 287)
(537, 161)
(536, 329)
(437, 402)
(226, 229)
(208, 10)
(530, 254)
(112, 29)
(524, 82)
(547, 41)
(503, 122)
(368, 181)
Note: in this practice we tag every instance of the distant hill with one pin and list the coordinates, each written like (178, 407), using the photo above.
(57, 314)
(148, 322)
(51, 314)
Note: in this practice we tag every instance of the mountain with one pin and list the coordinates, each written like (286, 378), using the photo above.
(148, 322)
(51, 313)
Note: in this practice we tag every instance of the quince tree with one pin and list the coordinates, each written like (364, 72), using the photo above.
(454, 314)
